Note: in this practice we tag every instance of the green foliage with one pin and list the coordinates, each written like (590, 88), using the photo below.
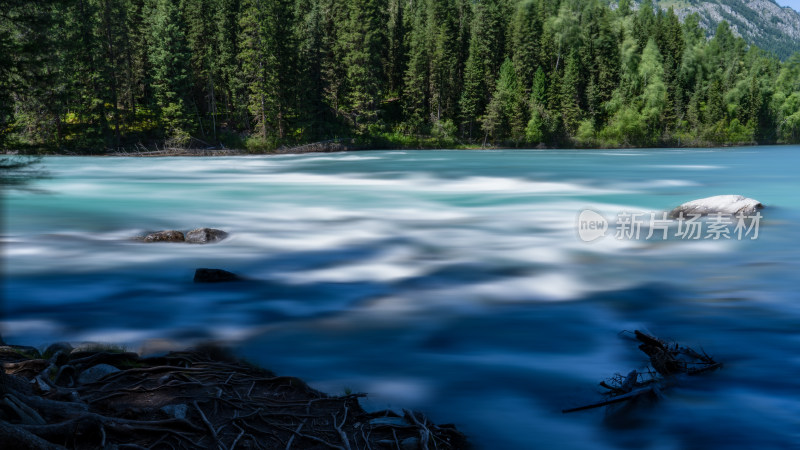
(505, 112)
(170, 57)
(260, 144)
(485, 56)
(92, 75)
(364, 38)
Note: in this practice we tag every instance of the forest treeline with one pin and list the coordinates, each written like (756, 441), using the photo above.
(94, 75)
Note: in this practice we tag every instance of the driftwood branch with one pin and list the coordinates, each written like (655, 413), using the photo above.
(668, 360)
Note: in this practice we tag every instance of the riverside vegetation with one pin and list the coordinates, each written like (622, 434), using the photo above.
(96, 75)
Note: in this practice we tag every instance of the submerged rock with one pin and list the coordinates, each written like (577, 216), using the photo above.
(719, 204)
(205, 235)
(165, 236)
(214, 276)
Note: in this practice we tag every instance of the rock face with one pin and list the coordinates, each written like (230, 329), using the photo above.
(205, 235)
(760, 22)
(720, 204)
(165, 236)
(214, 276)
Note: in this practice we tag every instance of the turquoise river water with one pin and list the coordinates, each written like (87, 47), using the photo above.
(453, 282)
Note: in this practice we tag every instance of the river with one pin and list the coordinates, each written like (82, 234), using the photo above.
(453, 282)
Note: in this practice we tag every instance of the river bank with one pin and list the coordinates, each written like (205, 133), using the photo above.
(353, 145)
(100, 396)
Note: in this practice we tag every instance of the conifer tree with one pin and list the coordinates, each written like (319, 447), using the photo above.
(417, 75)
(537, 127)
(503, 117)
(569, 96)
(267, 54)
(230, 109)
(170, 58)
(364, 37)
(485, 51)
(99, 74)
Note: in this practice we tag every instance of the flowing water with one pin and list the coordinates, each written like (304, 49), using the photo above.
(452, 282)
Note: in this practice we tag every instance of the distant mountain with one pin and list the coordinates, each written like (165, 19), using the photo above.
(763, 23)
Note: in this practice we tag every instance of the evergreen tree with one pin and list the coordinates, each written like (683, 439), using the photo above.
(787, 100)
(503, 116)
(417, 76)
(231, 108)
(397, 51)
(601, 51)
(569, 97)
(537, 128)
(524, 41)
(31, 90)
(99, 74)
(485, 51)
(364, 39)
(267, 52)
(653, 99)
(170, 58)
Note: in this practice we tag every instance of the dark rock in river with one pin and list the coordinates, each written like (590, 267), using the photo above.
(205, 235)
(165, 236)
(719, 204)
(214, 276)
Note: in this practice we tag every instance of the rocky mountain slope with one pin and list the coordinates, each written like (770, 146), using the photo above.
(763, 23)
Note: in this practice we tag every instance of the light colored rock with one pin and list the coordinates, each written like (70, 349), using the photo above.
(95, 373)
(719, 204)
(205, 235)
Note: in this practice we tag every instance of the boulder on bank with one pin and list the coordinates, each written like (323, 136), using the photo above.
(214, 276)
(719, 204)
(205, 235)
(165, 236)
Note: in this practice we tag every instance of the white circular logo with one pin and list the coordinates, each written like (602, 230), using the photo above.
(591, 225)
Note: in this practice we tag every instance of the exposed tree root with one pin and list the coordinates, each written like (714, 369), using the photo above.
(668, 361)
(193, 399)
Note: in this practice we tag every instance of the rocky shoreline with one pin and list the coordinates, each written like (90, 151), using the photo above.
(104, 397)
